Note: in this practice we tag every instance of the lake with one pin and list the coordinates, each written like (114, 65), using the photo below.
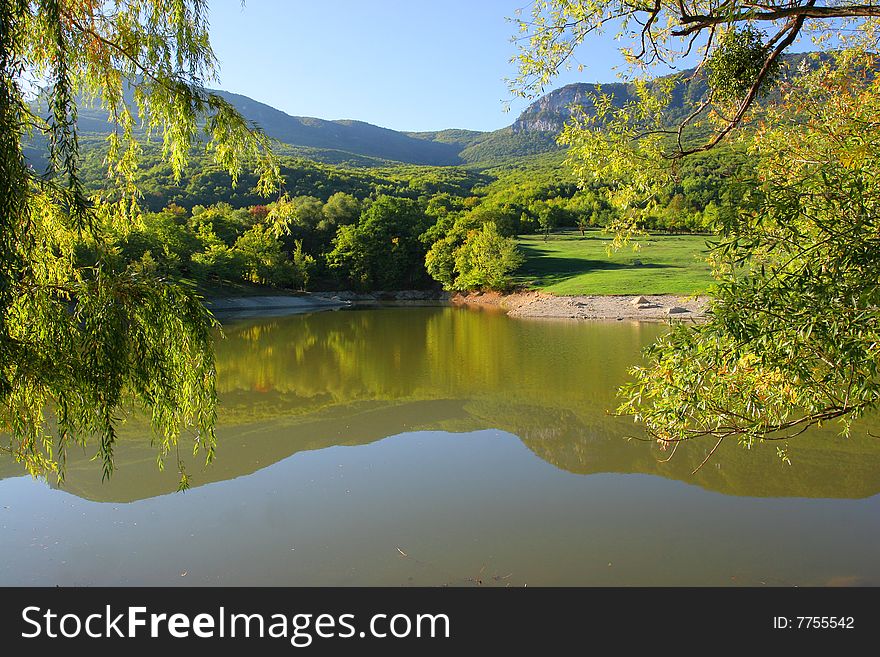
(444, 446)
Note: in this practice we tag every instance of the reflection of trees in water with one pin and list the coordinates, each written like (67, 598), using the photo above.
(348, 356)
(424, 353)
(549, 383)
(823, 463)
(315, 381)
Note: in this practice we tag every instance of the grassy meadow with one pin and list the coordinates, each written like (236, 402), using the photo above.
(569, 264)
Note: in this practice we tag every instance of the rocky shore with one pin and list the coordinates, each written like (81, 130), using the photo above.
(533, 304)
(526, 304)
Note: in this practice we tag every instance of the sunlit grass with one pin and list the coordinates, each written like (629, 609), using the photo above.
(568, 264)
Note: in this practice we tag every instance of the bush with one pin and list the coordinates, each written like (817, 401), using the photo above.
(486, 259)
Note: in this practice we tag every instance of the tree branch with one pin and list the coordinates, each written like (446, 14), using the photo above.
(701, 21)
(793, 28)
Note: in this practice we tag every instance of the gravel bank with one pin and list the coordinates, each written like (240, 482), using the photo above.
(655, 307)
(528, 304)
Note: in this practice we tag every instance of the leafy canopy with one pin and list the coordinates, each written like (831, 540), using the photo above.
(666, 31)
(793, 327)
(486, 259)
(82, 337)
(793, 336)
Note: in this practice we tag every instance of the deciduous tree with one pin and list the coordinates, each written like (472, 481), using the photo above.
(81, 339)
(793, 326)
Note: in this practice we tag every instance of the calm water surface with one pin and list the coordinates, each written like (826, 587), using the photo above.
(430, 446)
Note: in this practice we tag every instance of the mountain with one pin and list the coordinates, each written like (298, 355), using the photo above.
(352, 137)
(355, 137)
(357, 143)
(548, 114)
(458, 137)
(507, 144)
(535, 129)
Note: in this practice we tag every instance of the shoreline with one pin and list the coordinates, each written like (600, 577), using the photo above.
(227, 308)
(533, 304)
(527, 304)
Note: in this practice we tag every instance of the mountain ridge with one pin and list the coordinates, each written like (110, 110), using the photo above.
(359, 143)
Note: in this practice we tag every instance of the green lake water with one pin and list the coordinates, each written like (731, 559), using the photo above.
(444, 446)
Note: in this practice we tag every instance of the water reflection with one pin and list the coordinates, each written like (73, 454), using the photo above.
(307, 382)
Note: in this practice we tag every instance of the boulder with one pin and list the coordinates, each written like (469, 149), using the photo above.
(676, 310)
(638, 301)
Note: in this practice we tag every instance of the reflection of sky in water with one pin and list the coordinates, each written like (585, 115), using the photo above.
(420, 429)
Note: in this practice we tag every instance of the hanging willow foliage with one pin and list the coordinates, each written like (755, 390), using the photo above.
(81, 338)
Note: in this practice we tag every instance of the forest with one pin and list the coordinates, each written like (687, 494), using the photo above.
(334, 227)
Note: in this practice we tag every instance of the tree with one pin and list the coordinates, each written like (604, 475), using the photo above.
(264, 259)
(221, 262)
(168, 239)
(81, 337)
(742, 60)
(793, 325)
(486, 259)
(340, 209)
(445, 239)
(382, 251)
(548, 214)
(582, 222)
(303, 266)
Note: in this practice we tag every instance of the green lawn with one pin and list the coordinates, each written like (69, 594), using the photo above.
(568, 264)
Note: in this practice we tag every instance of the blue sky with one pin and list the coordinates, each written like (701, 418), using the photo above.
(413, 65)
(401, 64)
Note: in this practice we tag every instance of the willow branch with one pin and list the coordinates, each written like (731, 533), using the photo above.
(793, 28)
(702, 21)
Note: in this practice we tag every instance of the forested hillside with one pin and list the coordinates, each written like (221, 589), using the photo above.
(366, 208)
(358, 144)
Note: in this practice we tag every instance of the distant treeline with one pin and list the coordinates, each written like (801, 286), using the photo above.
(385, 228)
